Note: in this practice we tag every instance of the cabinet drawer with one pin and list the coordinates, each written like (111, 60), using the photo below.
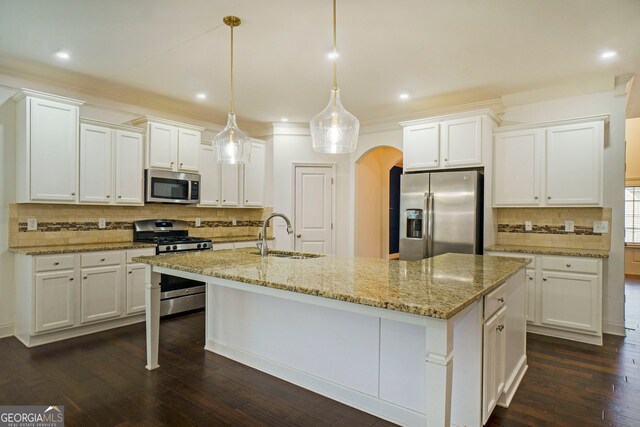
(139, 252)
(97, 259)
(575, 265)
(494, 301)
(56, 262)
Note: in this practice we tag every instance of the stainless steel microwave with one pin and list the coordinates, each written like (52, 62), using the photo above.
(171, 187)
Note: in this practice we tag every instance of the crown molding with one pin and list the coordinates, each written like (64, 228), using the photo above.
(577, 120)
(280, 128)
(622, 84)
(152, 119)
(87, 121)
(24, 92)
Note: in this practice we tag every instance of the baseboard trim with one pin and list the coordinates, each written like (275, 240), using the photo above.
(514, 383)
(567, 335)
(6, 330)
(350, 397)
(46, 338)
(614, 329)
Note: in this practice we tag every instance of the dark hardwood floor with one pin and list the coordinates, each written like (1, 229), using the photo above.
(101, 380)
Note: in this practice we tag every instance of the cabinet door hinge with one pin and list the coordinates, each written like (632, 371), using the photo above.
(331, 181)
(332, 226)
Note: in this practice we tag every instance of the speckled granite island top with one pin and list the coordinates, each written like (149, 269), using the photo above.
(87, 247)
(590, 253)
(437, 287)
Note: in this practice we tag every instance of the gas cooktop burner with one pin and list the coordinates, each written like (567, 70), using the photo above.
(169, 235)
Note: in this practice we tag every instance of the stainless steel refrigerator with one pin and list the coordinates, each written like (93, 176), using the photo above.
(440, 212)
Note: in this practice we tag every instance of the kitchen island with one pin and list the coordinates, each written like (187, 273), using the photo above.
(401, 340)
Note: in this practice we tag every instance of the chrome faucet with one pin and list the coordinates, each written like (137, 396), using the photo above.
(262, 245)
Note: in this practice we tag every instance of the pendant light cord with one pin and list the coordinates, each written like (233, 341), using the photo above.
(232, 112)
(335, 50)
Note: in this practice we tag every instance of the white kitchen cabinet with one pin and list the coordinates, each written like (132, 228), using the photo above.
(421, 147)
(574, 159)
(47, 136)
(111, 168)
(452, 141)
(493, 375)
(100, 293)
(129, 179)
(96, 168)
(461, 142)
(229, 185)
(209, 176)
(564, 296)
(254, 177)
(55, 300)
(549, 164)
(517, 162)
(66, 295)
(170, 145)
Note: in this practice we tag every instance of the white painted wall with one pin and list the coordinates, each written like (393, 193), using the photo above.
(292, 144)
(614, 162)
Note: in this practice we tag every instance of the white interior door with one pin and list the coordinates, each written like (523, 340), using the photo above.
(313, 217)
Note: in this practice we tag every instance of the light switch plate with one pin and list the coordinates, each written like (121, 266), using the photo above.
(102, 223)
(528, 226)
(32, 224)
(198, 222)
(601, 227)
(233, 221)
(569, 226)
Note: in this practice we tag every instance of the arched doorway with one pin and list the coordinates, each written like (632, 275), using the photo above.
(372, 200)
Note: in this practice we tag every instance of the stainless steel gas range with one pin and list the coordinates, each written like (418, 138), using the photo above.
(171, 237)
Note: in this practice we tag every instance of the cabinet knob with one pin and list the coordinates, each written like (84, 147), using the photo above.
(298, 235)
(85, 277)
(500, 327)
(56, 263)
(568, 265)
(108, 196)
(446, 160)
(181, 164)
(246, 201)
(217, 200)
(224, 200)
(548, 197)
(535, 197)
(171, 163)
(73, 194)
(544, 278)
(435, 161)
(71, 279)
(530, 277)
(102, 259)
(500, 299)
(119, 197)
(130, 271)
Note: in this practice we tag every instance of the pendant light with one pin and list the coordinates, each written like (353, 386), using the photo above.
(334, 130)
(233, 145)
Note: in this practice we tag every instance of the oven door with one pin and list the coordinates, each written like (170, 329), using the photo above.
(171, 187)
(173, 287)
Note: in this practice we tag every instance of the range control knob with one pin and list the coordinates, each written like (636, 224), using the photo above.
(205, 245)
(168, 248)
(198, 246)
(175, 247)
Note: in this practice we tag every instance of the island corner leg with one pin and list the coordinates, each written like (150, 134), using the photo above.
(439, 372)
(152, 316)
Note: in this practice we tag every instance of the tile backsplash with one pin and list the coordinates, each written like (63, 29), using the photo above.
(77, 224)
(548, 227)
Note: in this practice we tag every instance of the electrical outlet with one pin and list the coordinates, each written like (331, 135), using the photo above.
(528, 226)
(601, 227)
(102, 223)
(198, 222)
(569, 226)
(32, 224)
(234, 222)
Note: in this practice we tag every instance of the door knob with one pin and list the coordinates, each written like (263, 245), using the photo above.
(298, 235)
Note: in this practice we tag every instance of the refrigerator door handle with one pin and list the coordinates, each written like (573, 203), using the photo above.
(430, 225)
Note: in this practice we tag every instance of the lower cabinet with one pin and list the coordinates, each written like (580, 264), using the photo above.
(55, 300)
(493, 371)
(564, 296)
(100, 293)
(61, 296)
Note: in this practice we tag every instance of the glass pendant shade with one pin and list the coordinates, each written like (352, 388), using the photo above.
(334, 130)
(232, 145)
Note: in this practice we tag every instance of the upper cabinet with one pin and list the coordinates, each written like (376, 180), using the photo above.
(111, 164)
(452, 141)
(224, 185)
(551, 164)
(170, 145)
(47, 128)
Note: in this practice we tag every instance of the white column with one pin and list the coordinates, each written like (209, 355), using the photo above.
(439, 372)
(152, 304)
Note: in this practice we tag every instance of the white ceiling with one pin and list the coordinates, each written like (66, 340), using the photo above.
(443, 52)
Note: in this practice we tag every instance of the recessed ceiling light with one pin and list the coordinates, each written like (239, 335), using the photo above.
(63, 55)
(404, 96)
(333, 55)
(284, 119)
(201, 95)
(609, 54)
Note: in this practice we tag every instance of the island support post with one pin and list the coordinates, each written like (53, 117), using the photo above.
(439, 371)
(152, 314)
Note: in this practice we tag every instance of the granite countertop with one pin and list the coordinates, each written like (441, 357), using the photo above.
(543, 250)
(233, 239)
(88, 247)
(437, 287)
